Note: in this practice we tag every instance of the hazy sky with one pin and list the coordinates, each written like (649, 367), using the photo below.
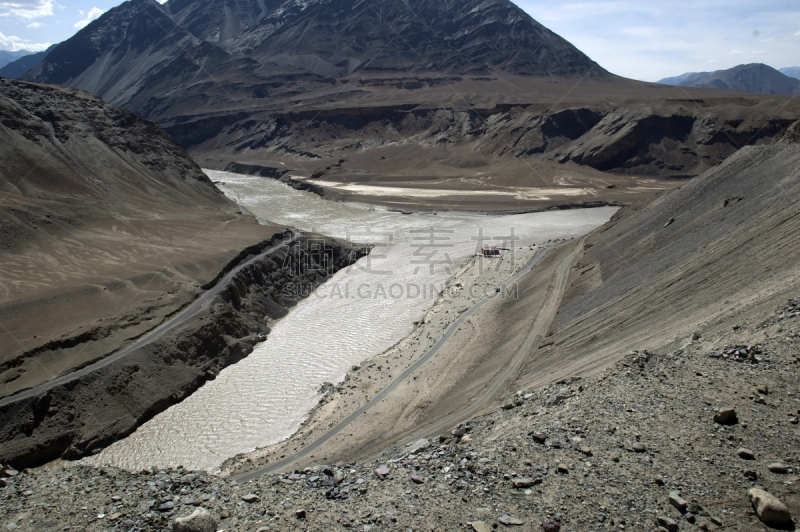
(645, 39)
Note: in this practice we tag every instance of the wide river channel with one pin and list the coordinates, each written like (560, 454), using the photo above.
(361, 312)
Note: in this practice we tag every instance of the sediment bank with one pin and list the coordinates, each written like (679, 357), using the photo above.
(83, 416)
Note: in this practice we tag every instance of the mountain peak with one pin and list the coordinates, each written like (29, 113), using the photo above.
(753, 77)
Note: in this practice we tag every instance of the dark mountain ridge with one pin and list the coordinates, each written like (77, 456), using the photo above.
(268, 82)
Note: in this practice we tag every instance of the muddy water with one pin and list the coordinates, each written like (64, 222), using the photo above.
(359, 313)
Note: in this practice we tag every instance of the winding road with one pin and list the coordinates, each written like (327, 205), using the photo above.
(153, 335)
(542, 322)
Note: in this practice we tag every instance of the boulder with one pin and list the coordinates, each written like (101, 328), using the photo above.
(526, 482)
(769, 509)
(480, 526)
(200, 521)
(725, 416)
(677, 501)
(510, 520)
(419, 445)
(746, 454)
(383, 472)
(778, 467)
(668, 523)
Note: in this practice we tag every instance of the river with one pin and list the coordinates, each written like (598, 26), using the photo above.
(362, 311)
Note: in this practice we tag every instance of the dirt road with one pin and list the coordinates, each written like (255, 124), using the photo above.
(488, 394)
(153, 335)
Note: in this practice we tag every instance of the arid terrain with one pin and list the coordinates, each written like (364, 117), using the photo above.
(109, 229)
(480, 108)
(665, 412)
(641, 377)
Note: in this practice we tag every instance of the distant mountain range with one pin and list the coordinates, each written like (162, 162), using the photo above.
(792, 72)
(141, 48)
(313, 81)
(755, 77)
(16, 69)
(7, 57)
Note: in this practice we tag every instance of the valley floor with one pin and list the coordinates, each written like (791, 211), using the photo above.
(605, 452)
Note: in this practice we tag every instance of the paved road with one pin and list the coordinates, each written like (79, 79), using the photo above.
(333, 432)
(153, 335)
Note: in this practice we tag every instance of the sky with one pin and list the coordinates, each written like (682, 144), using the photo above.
(644, 39)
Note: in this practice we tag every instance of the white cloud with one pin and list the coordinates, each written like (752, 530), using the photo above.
(712, 61)
(93, 14)
(14, 44)
(797, 34)
(771, 39)
(759, 52)
(26, 9)
(737, 52)
(34, 25)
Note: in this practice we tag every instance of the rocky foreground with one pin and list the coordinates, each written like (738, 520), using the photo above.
(701, 437)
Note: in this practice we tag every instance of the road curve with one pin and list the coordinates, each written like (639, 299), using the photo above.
(505, 378)
(333, 432)
(153, 335)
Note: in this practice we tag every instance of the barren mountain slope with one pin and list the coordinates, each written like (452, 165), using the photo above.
(107, 226)
(388, 93)
(722, 245)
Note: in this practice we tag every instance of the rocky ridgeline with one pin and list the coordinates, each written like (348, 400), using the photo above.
(661, 441)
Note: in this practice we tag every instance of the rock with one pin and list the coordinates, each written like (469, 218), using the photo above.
(339, 476)
(659, 480)
(250, 498)
(416, 479)
(558, 397)
(465, 439)
(224, 514)
(8, 472)
(726, 416)
(770, 510)
(547, 526)
(383, 472)
(751, 475)
(200, 521)
(300, 514)
(677, 501)
(166, 507)
(480, 526)
(746, 454)
(696, 509)
(763, 389)
(778, 467)
(510, 520)
(669, 524)
(526, 482)
(3, 483)
(615, 457)
(561, 468)
(539, 437)
(586, 451)
(638, 447)
(419, 445)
